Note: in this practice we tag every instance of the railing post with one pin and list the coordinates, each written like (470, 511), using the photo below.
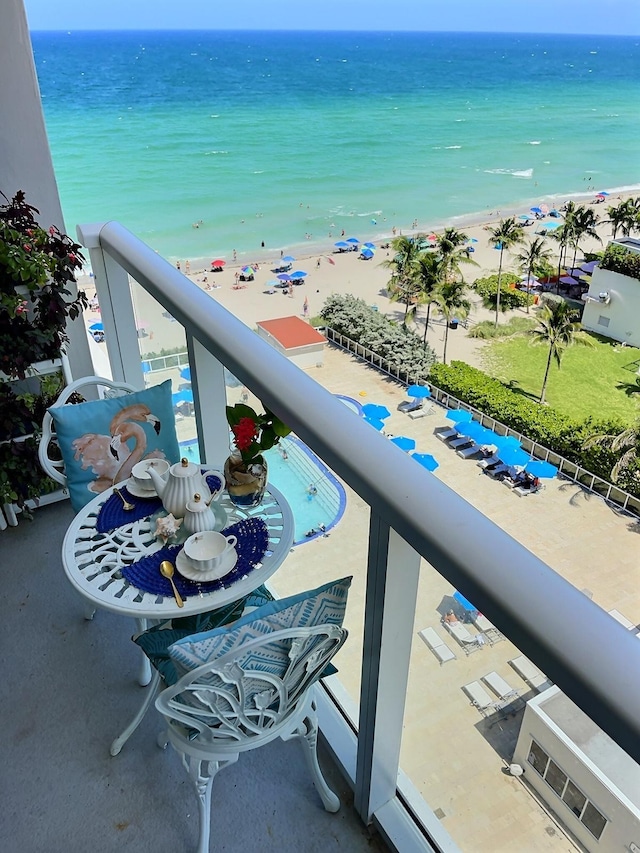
(210, 399)
(392, 586)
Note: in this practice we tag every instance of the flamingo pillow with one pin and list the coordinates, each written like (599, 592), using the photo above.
(101, 440)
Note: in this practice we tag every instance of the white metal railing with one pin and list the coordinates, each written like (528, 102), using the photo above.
(586, 653)
(571, 470)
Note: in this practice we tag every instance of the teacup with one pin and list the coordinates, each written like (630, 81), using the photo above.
(207, 551)
(140, 472)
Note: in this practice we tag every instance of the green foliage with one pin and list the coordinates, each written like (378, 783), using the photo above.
(400, 347)
(253, 433)
(561, 433)
(488, 330)
(510, 297)
(618, 259)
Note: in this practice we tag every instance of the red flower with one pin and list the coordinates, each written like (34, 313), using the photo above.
(245, 432)
(27, 247)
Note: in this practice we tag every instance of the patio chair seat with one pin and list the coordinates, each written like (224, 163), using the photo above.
(530, 674)
(480, 699)
(437, 645)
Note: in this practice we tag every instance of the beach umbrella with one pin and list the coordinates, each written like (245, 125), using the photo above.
(472, 240)
(523, 217)
(218, 263)
(475, 430)
(426, 460)
(369, 245)
(248, 270)
(514, 456)
(506, 441)
(146, 367)
(568, 279)
(96, 327)
(535, 209)
(184, 396)
(603, 193)
(404, 442)
(432, 237)
(366, 253)
(341, 244)
(288, 259)
(458, 415)
(374, 422)
(298, 274)
(185, 374)
(540, 468)
(544, 208)
(375, 411)
(418, 391)
(353, 240)
(284, 276)
(331, 261)
(589, 266)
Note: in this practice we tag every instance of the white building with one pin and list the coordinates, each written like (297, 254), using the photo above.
(585, 779)
(612, 305)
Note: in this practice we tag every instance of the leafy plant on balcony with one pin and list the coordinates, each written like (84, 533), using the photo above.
(618, 259)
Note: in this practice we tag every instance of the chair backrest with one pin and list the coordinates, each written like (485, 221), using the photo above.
(102, 387)
(238, 700)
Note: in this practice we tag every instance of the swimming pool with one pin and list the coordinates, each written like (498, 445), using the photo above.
(317, 499)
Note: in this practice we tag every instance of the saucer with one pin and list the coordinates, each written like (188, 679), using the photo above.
(186, 569)
(138, 492)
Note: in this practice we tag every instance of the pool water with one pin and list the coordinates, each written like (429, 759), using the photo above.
(317, 499)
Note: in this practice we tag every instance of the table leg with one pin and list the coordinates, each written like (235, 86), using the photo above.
(144, 676)
(120, 741)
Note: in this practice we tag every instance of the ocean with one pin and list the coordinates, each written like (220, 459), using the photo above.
(290, 139)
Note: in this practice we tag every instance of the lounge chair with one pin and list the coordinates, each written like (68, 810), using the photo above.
(480, 698)
(446, 433)
(499, 472)
(410, 405)
(530, 674)
(438, 646)
(489, 462)
(503, 690)
(487, 628)
(421, 413)
(468, 452)
(467, 640)
(462, 441)
(622, 619)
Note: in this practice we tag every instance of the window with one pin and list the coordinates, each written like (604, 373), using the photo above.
(569, 793)
(603, 321)
(593, 820)
(574, 798)
(556, 778)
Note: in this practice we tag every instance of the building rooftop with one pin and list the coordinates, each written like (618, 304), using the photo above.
(292, 332)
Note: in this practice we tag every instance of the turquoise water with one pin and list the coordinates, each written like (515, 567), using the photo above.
(309, 510)
(270, 137)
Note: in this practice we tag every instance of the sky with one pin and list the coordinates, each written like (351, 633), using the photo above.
(604, 17)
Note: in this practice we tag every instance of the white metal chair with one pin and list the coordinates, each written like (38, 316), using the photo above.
(101, 387)
(235, 704)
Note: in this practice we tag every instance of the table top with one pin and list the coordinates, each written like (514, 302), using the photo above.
(93, 561)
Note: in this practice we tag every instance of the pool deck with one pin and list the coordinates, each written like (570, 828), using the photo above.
(454, 756)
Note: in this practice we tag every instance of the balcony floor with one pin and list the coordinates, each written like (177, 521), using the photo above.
(70, 686)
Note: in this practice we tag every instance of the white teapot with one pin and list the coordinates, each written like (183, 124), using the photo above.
(199, 516)
(179, 485)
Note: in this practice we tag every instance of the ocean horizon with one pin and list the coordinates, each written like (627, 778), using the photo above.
(288, 139)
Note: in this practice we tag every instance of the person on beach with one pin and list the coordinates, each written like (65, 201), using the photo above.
(235, 256)
(305, 307)
(177, 265)
(187, 267)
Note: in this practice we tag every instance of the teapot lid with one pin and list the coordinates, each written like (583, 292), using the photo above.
(184, 468)
(196, 504)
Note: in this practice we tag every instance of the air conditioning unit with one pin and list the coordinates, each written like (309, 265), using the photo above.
(604, 297)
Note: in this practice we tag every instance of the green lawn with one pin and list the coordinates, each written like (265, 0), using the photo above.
(589, 381)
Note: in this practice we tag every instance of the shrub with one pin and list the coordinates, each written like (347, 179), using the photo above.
(488, 329)
(618, 259)
(510, 297)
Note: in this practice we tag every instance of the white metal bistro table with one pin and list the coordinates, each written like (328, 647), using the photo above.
(93, 563)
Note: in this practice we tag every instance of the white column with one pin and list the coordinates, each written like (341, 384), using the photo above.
(25, 158)
(210, 399)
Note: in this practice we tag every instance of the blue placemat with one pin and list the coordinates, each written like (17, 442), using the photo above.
(253, 541)
(112, 514)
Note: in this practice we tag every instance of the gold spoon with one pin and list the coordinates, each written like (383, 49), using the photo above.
(167, 570)
(125, 503)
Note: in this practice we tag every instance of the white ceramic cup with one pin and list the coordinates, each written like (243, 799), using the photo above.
(140, 472)
(208, 550)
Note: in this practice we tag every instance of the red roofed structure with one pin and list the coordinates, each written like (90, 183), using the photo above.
(296, 339)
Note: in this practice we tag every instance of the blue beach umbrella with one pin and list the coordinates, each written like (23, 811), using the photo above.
(185, 374)
(535, 209)
(374, 422)
(341, 244)
(185, 396)
(288, 259)
(248, 270)
(96, 327)
(366, 253)
(374, 411)
(504, 442)
(515, 456)
(523, 217)
(475, 430)
(458, 416)
(369, 245)
(426, 460)
(540, 468)
(602, 192)
(284, 276)
(353, 240)
(404, 442)
(419, 391)
(298, 274)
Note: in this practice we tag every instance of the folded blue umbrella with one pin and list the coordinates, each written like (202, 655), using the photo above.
(426, 460)
(418, 391)
(458, 415)
(540, 468)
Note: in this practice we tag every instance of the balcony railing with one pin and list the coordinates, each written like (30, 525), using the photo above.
(565, 634)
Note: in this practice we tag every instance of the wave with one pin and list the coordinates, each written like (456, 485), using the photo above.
(453, 146)
(517, 173)
(534, 142)
(215, 152)
(523, 173)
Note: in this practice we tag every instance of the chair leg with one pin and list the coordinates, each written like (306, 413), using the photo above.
(144, 676)
(308, 734)
(120, 741)
(202, 773)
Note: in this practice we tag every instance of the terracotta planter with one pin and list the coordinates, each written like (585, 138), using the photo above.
(245, 483)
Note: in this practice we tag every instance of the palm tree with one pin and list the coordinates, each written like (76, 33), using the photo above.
(531, 259)
(429, 275)
(583, 225)
(558, 331)
(618, 217)
(402, 284)
(505, 235)
(627, 441)
(452, 303)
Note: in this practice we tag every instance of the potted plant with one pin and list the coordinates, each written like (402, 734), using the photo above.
(245, 470)
(36, 267)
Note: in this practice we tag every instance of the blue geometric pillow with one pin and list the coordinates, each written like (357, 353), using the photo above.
(320, 606)
(101, 440)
